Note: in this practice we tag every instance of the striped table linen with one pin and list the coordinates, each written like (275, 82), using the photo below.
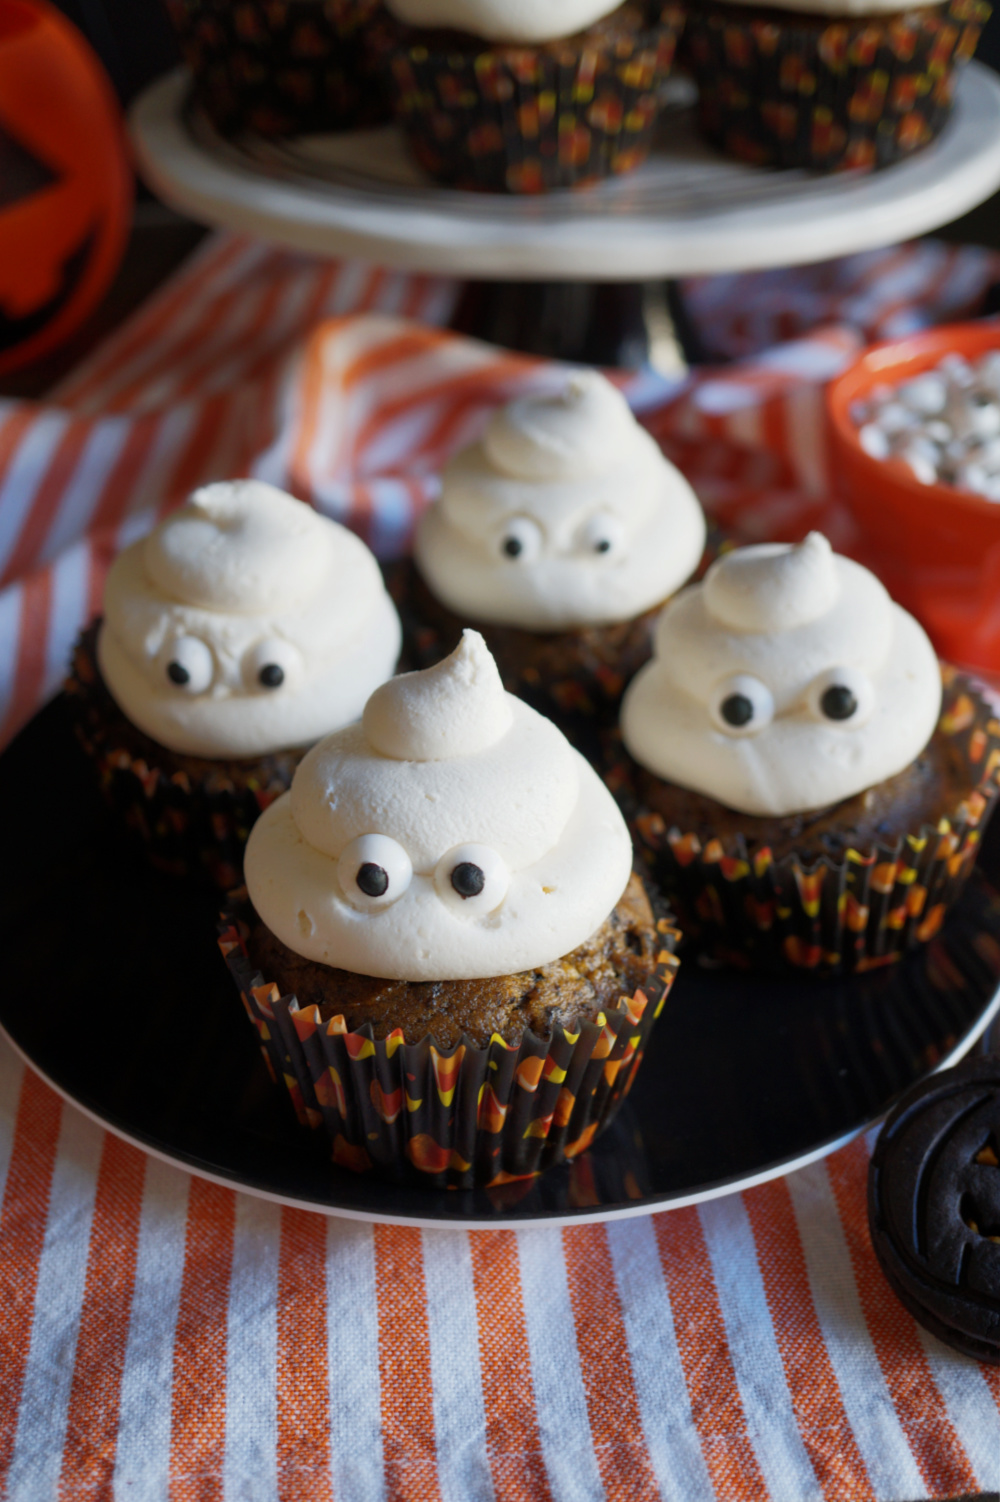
(884, 294)
(161, 1337)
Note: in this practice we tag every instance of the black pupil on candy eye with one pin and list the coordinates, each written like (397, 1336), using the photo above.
(373, 880)
(271, 676)
(513, 547)
(468, 879)
(737, 710)
(603, 546)
(178, 673)
(838, 703)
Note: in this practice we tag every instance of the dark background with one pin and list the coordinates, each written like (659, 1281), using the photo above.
(133, 39)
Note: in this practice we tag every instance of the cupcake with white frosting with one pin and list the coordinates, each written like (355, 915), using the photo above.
(447, 953)
(828, 84)
(236, 634)
(559, 535)
(519, 97)
(802, 789)
(282, 67)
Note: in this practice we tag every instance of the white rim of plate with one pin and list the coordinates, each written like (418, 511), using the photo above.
(512, 1221)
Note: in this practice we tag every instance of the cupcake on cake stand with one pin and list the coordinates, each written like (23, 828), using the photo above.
(576, 275)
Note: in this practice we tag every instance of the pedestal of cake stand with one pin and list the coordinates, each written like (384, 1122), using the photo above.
(630, 325)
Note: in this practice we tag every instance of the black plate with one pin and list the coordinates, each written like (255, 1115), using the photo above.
(114, 989)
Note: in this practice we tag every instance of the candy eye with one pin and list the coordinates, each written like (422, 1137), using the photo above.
(602, 534)
(742, 705)
(521, 540)
(270, 665)
(842, 696)
(373, 872)
(472, 880)
(188, 664)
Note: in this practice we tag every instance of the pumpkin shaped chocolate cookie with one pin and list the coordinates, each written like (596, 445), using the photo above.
(934, 1205)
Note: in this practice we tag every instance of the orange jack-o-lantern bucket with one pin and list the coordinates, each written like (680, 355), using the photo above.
(65, 184)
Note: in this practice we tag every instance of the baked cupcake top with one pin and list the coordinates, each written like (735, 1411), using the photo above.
(453, 835)
(786, 681)
(564, 515)
(505, 20)
(244, 624)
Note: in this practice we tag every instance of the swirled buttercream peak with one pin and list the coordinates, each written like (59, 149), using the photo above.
(773, 587)
(239, 546)
(454, 709)
(581, 430)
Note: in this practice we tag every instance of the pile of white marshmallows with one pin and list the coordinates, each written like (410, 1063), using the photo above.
(943, 424)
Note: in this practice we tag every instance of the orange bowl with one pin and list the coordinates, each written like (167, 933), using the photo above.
(936, 547)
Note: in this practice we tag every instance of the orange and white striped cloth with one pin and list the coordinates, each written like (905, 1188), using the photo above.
(161, 1337)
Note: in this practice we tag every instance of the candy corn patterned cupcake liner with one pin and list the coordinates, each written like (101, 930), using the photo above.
(281, 67)
(448, 1118)
(189, 826)
(853, 915)
(857, 93)
(528, 120)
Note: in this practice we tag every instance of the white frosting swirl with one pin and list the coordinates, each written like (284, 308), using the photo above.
(505, 20)
(492, 786)
(246, 623)
(566, 514)
(454, 709)
(785, 682)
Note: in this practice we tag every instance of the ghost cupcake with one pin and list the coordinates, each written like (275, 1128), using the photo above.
(282, 67)
(235, 635)
(559, 535)
(831, 85)
(800, 787)
(445, 951)
(509, 96)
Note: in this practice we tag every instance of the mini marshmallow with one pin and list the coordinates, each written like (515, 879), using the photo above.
(875, 441)
(926, 394)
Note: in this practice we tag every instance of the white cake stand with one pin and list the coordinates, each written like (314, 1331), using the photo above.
(688, 211)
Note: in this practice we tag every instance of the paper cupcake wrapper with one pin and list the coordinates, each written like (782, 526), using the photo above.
(853, 93)
(448, 1118)
(533, 119)
(281, 67)
(188, 827)
(853, 915)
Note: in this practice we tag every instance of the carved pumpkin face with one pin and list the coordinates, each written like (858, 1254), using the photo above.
(65, 184)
